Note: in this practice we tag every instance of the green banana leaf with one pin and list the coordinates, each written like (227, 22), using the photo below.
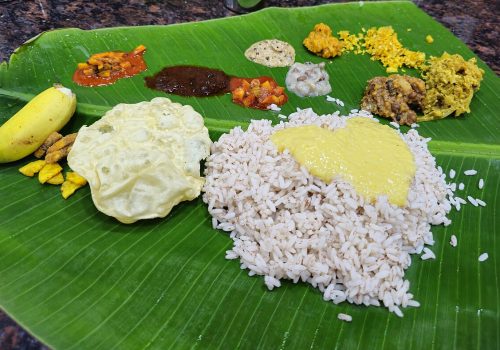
(76, 278)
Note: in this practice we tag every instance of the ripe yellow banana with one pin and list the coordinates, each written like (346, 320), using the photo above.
(47, 112)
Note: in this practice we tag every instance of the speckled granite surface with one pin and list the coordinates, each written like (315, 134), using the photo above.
(475, 22)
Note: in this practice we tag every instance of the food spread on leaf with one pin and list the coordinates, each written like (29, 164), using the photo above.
(106, 68)
(291, 194)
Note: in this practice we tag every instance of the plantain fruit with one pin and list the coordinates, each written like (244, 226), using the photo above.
(47, 112)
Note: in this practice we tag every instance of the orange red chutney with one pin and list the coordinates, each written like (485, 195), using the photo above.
(107, 67)
(257, 93)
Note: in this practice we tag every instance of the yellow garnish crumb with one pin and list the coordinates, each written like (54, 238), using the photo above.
(429, 39)
(408, 30)
(48, 171)
(32, 168)
(73, 182)
(321, 42)
(351, 42)
(383, 44)
(56, 180)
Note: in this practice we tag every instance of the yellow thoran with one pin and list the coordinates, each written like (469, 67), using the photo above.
(381, 43)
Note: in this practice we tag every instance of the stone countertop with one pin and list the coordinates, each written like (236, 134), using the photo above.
(475, 22)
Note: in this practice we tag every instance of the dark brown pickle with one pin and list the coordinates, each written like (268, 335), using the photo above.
(190, 81)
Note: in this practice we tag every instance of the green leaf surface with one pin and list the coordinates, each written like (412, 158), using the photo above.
(76, 278)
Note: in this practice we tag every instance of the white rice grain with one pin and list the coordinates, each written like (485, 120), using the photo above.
(274, 107)
(453, 241)
(452, 173)
(461, 186)
(470, 172)
(472, 201)
(413, 303)
(480, 184)
(344, 317)
(335, 100)
(483, 257)
(428, 254)
(480, 202)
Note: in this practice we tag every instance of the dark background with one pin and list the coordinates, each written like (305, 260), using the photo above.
(475, 22)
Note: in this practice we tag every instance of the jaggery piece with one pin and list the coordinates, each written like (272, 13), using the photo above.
(398, 97)
(60, 149)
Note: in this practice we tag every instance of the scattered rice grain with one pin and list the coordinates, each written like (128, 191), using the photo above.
(274, 107)
(480, 202)
(483, 257)
(453, 241)
(472, 201)
(428, 254)
(344, 317)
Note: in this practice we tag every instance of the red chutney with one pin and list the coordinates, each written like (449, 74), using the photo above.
(107, 67)
(257, 93)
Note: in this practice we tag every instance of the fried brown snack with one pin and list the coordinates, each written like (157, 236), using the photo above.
(53, 138)
(398, 97)
(60, 149)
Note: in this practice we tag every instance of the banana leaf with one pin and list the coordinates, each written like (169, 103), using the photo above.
(76, 278)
